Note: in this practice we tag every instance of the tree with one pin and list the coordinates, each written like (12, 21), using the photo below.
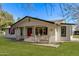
(6, 19)
(70, 11)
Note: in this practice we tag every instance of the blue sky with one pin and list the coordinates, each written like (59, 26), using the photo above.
(35, 10)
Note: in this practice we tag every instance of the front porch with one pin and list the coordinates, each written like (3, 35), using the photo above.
(39, 34)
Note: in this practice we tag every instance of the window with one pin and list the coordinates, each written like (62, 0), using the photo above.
(41, 30)
(63, 31)
(21, 31)
(45, 31)
(29, 32)
(36, 31)
(29, 20)
(11, 30)
(76, 32)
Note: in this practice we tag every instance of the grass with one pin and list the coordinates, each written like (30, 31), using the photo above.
(76, 36)
(15, 48)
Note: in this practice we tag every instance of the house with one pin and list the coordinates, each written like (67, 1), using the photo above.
(33, 29)
(76, 29)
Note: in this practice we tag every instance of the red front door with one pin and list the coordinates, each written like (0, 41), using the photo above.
(29, 32)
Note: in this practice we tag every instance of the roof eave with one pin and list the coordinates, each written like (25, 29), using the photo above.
(32, 18)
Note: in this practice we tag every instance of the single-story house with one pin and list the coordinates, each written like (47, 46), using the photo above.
(33, 29)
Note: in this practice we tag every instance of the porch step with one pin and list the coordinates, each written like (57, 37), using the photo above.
(29, 39)
(44, 41)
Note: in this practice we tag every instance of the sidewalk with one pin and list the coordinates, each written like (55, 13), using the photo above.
(50, 45)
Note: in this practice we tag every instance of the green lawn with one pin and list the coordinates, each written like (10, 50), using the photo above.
(76, 36)
(13, 48)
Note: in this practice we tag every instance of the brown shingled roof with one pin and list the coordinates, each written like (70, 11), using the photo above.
(52, 22)
(32, 18)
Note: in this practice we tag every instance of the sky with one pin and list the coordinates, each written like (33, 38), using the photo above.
(39, 10)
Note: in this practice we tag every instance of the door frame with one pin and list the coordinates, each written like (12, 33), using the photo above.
(29, 33)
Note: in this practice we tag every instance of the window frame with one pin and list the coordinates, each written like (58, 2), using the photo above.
(21, 31)
(63, 31)
(11, 31)
(41, 31)
(76, 32)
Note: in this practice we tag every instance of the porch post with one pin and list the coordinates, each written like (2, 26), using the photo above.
(55, 34)
(17, 34)
(25, 33)
(51, 34)
(34, 34)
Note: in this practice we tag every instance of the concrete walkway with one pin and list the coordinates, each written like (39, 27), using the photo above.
(50, 45)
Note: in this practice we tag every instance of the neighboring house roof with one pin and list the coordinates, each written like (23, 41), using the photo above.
(60, 20)
(52, 22)
(68, 24)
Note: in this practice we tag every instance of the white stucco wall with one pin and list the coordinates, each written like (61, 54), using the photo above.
(68, 33)
(18, 35)
(7, 35)
(57, 33)
(51, 34)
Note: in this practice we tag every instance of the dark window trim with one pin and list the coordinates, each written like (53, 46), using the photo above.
(21, 31)
(11, 31)
(76, 32)
(63, 31)
(41, 30)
